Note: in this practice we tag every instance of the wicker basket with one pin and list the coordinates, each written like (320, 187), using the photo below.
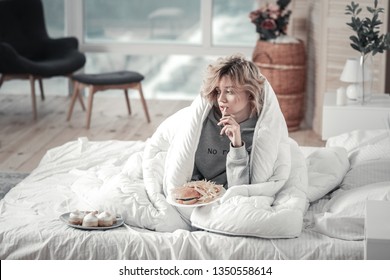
(284, 66)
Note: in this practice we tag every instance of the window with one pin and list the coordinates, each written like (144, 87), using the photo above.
(231, 24)
(169, 41)
(142, 21)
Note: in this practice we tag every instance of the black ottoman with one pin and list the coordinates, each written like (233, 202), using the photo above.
(98, 82)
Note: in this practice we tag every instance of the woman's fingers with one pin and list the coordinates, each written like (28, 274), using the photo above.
(233, 133)
(226, 130)
(227, 120)
(229, 126)
(229, 130)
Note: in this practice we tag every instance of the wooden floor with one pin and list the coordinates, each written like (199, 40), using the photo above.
(24, 141)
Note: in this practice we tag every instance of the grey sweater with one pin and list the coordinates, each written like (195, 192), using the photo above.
(217, 160)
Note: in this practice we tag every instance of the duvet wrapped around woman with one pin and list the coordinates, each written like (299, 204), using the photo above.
(235, 135)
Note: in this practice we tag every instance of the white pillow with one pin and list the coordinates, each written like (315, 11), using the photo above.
(367, 172)
(344, 213)
(353, 202)
(326, 169)
(357, 138)
(363, 145)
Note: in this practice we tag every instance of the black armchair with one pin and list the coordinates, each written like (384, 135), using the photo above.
(27, 51)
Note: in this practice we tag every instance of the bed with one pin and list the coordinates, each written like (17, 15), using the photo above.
(333, 224)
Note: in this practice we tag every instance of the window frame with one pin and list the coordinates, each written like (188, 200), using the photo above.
(74, 27)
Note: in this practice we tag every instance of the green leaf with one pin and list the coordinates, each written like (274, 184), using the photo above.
(355, 47)
(354, 39)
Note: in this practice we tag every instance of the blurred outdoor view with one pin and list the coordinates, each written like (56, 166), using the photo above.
(152, 24)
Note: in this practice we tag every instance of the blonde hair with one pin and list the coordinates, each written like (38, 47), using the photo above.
(242, 72)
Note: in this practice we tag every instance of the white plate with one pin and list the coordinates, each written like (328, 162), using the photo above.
(65, 218)
(198, 204)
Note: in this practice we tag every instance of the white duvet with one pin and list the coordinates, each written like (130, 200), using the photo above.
(272, 206)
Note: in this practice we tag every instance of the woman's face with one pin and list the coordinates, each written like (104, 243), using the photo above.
(233, 100)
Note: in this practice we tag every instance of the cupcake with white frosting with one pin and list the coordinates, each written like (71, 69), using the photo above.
(106, 219)
(76, 217)
(91, 220)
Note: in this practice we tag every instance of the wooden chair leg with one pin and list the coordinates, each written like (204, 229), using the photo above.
(127, 101)
(81, 99)
(41, 88)
(34, 105)
(76, 89)
(1, 79)
(90, 102)
(143, 102)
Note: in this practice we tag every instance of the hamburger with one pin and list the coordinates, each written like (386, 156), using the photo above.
(196, 192)
(186, 195)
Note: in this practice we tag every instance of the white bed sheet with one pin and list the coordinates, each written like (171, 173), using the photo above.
(30, 227)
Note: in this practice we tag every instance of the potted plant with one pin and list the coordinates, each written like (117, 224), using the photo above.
(281, 59)
(367, 41)
(271, 20)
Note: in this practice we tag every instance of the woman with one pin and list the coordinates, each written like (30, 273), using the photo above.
(234, 134)
(234, 87)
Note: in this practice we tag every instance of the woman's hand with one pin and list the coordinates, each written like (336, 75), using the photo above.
(232, 130)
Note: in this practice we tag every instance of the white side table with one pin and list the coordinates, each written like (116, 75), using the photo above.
(377, 230)
(341, 119)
